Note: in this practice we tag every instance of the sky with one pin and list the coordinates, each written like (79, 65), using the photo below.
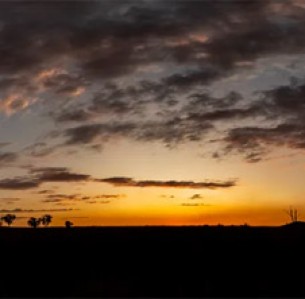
(152, 112)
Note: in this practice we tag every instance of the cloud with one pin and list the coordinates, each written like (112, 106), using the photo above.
(10, 200)
(110, 196)
(53, 200)
(56, 198)
(96, 51)
(63, 83)
(100, 202)
(188, 80)
(89, 133)
(107, 40)
(196, 196)
(45, 191)
(39, 149)
(18, 183)
(167, 196)
(64, 204)
(284, 105)
(169, 132)
(191, 123)
(8, 157)
(197, 119)
(90, 65)
(57, 174)
(15, 102)
(71, 217)
(194, 205)
(19, 210)
(129, 182)
(37, 176)
(3, 144)
(60, 198)
(72, 115)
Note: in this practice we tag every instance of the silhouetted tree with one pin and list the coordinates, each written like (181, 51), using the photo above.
(9, 219)
(68, 224)
(293, 214)
(34, 222)
(46, 219)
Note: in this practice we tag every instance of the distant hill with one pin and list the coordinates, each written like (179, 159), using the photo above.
(297, 225)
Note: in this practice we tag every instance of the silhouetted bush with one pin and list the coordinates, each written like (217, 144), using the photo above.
(68, 224)
(9, 219)
(34, 222)
(46, 219)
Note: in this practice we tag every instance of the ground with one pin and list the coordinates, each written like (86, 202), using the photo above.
(198, 261)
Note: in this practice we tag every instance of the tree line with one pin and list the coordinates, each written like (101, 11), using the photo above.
(33, 222)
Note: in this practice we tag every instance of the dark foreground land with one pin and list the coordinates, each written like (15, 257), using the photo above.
(153, 262)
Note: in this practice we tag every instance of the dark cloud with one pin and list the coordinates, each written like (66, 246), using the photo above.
(37, 176)
(10, 200)
(30, 32)
(3, 144)
(254, 141)
(196, 196)
(45, 191)
(19, 183)
(56, 51)
(47, 169)
(110, 196)
(64, 204)
(71, 217)
(167, 196)
(285, 101)
(52, 200)
(188, 80)
(111, 100)
(73, 115)
(8, 157)
(129, 182)
(39, 149)
(65, 84)
(186, 204)
(59, 198)
(19, 210)
(284, 106)
(112, 39)
(100, 202)
(57, 174)
(66, 196)
(174, 131)
(190, 123)
(205, 101)
(226, 114)
(89, 133)
(169, 132)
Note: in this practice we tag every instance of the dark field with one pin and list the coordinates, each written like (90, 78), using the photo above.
(153, 261)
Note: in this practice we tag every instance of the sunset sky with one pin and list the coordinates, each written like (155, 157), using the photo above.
(152, 112)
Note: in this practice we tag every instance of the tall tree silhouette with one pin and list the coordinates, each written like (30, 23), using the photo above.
(293, 214)
(9, 219)
(68, 224)
(46, 219)
(34, 222)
